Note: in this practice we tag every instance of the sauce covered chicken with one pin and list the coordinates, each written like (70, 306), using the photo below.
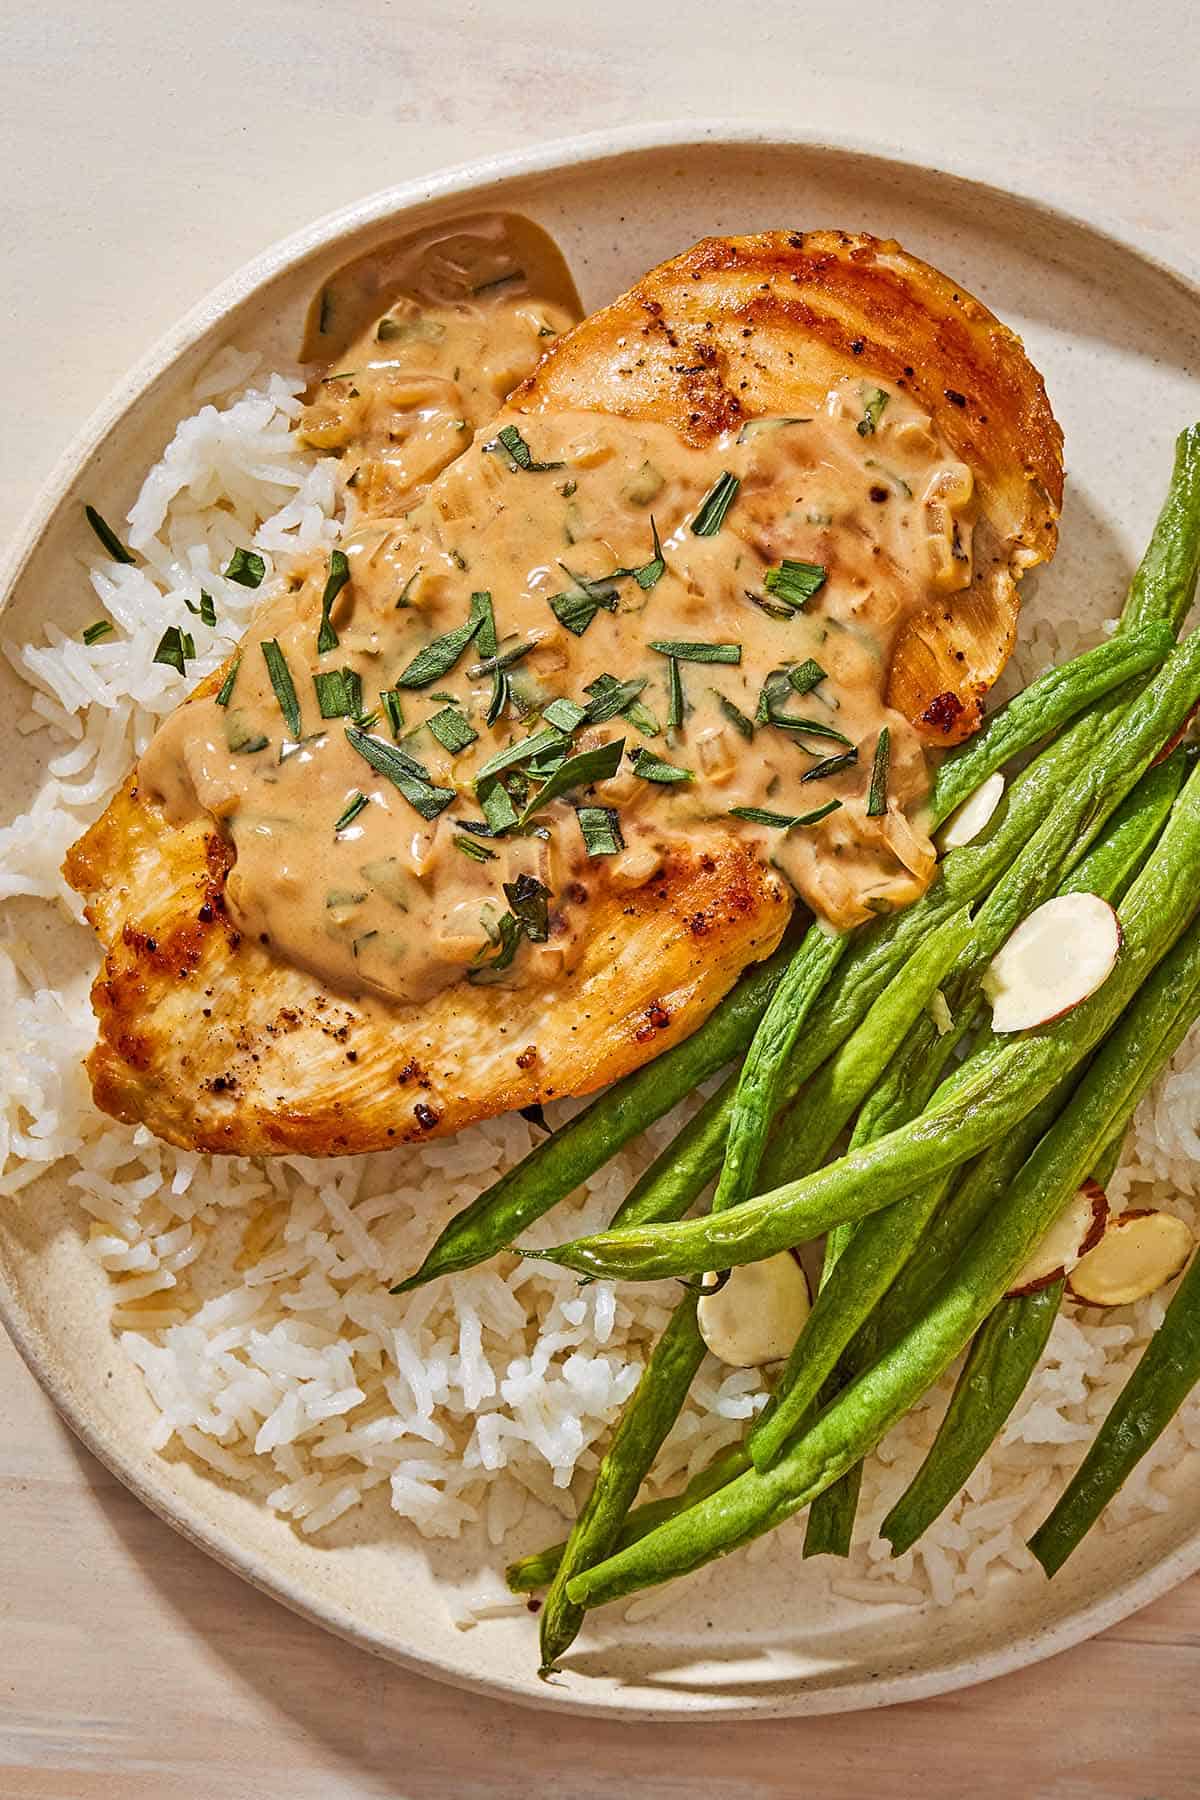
(636, 635)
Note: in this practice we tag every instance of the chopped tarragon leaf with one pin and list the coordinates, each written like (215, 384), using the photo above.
(565, 715)
(175, 647)
(339, 694)
(795, 582)
(501, 660)
(206, 612)
(92, 634)
(686, 651)
(335, 581)
(832, 765)
(525, 750)
(654, 570)
(451, 729)
(809, 728)
(753, 427)
(107, 536)
(578, 771)
(485, 636)
(239, 738)
(351, 813)
(403, 771)
(439, 657)
(769, 607)
(874, 401)
(281, 681)
(406, 590)
(577, 607)
(225, 691)
(710, 515)
(498, 809)
(506, 933)
(610, 697)
(428, 331)
(529, 900)
(467, 846)
(501, 691)
(737, 718)
(806, 676)
(676, 705)
(877, 795)
(389, 699)
(247, 568)
(652, 768)
(757, 815)
(518, 452)
(601, 830)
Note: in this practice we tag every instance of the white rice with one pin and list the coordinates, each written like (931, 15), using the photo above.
(253, 1296)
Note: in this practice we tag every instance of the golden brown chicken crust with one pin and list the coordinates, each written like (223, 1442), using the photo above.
(738, 328)
(215, 1045)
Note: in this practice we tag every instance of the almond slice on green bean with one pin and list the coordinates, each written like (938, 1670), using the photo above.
(755, 1315)
(1056, 958)
(1078, 1228)
(1140, 1251)
(967, 821)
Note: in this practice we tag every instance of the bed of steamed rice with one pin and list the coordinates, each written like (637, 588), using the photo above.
(253, 1296)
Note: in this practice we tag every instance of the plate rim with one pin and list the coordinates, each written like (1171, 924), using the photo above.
(433, 187)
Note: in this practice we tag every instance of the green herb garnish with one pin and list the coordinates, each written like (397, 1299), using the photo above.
(737, 718)
(783, 821)
(107, 536)
(389, 699)
(795, 582)
(529, 900)
(578, 771)
(239, 738)
(806, 676)
(403, 771)
(686, 651)
(565, 715)
(610, 697)
(601, 830)
(506, 934)
(652, 768)
(451, 729)
(225, 691)
(467, 846)
(335, 581)
(406, 590)
(877, 795)
(485, 636)
(518, 452)
(710, 515)
(175, 647)
(769, 607)
(676, 705)
(654, 570)
(339, 693)
(809, 728)
(498, 809)
(206, 612)
(525, 750)
(578, 606)
(92, 634)
(439, 657)
(247, 568)
(874, 401)
(752, 427)
(281, 681)
(832, 765)
(351, 813)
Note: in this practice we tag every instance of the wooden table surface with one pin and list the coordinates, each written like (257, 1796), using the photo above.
(147, 152)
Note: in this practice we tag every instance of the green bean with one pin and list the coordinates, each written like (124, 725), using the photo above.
(580, 1147)
(667, 1188)
(530, 1573)
(649, 1414)
(974, 1106)
(1003, 1356)
(1165, 580)
(1146, 1037)
(1044, 707)
(757, 1096)
(1165, 1375)
(808, 1131)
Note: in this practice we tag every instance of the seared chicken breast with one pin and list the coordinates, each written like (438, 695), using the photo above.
(501, 805)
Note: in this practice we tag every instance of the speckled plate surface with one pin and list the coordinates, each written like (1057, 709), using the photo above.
(1117, 336)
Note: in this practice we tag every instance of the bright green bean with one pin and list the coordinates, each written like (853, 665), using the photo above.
(1148, 1034)
(649, 1414)
(580, 1147)
(973, 1108)
(1165, 580)
(1166, 1373)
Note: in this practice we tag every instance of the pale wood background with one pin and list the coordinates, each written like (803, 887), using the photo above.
(147, 150)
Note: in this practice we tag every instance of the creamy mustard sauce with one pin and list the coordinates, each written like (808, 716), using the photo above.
(838, 528)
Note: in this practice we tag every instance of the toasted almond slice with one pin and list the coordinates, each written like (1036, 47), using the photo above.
(1140, 1251)
(756, 1316)
(968, 820)
(1055, 958)
(1077, 1229)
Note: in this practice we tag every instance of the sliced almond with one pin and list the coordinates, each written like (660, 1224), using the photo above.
(968, 820)
(756, 1316)
(1060, 954)
(1078, 1227)
(1140, 1251)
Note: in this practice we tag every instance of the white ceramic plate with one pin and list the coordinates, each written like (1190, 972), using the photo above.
(1116, 335)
